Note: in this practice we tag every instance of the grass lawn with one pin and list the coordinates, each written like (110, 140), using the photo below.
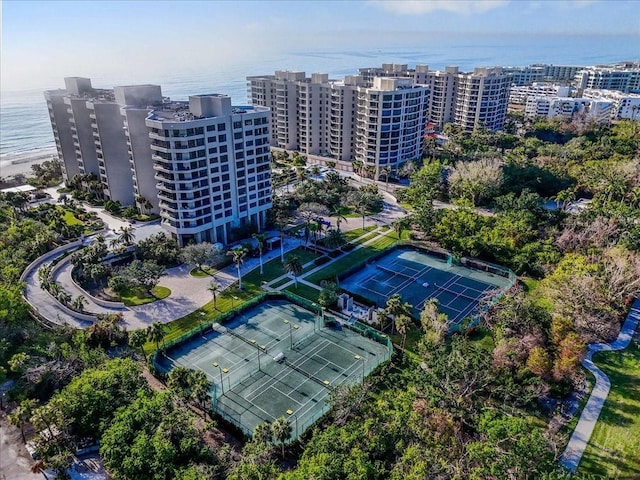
(364, 238)
(305, 291)
(350, 235)
(614, 449)
(135, 297)
(70, 218)
(356, 256)
(205, 272)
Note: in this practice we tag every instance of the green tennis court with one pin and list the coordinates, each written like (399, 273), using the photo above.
(418, 277)
(276, 360)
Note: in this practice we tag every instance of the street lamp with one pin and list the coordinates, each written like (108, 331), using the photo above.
(315, 319)
(233, 297)
(291, 328)
(222, 370)
(358, 358)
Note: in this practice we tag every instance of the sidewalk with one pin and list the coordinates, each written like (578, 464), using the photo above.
(589, 417)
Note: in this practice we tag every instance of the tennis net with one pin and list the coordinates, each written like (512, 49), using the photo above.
(253, 343)
(459, 294)
(401, 274)
(307, 374)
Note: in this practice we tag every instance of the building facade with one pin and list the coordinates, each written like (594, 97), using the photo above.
(626, 106)
(598, 111)
(345, 120)
(518, 95)
(212, 164)
(622, 78)
(203, 165)
(482, 99)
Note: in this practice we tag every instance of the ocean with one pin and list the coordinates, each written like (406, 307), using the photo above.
(24, 120)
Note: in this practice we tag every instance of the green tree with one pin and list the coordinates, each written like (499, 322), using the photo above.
(282, 431)
(403, 324)
(237, 255)
(21, 415)
(200, 390)
(215, 288)
(137, 339)
(145, 275)
(199, 255)
(261, 238)
(155, 333)
(293, 266)
(263, 433)
(334, 239)
(126, 235)
(337, 212)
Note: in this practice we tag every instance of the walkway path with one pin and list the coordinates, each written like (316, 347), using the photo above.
(42, 302)
(582, 433)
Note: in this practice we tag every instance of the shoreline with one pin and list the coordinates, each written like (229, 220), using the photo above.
(12, 164)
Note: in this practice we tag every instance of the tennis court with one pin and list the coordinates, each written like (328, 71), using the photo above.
(276, 360)
(418, 277)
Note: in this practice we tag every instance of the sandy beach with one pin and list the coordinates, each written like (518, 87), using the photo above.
(14, 163)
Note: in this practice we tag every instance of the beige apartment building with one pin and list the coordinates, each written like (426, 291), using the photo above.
(203, 165)
(378, 121)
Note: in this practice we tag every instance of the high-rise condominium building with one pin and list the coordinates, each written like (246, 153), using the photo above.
(472, 100)
(212, 166)
(618, 77)
(91, 137)
(203, 164)
(379, 122)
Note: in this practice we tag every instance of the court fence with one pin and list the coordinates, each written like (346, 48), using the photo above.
(451, 260)
(231, 415)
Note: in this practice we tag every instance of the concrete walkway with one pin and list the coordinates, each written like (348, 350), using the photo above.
(582, 433)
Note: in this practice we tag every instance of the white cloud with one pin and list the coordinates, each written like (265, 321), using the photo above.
(420, 7)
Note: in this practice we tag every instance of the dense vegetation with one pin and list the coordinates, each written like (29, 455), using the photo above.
(469, 406)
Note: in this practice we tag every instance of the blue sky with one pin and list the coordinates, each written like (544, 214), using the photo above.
(54, 38)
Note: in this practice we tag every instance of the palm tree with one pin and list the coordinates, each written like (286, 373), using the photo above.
(200, 390)
(293, 266)
(337, 212)
(126, 235)
(363, 200)
(64, 297)
(214, 287)
(155, 333)
(261, 238)
(357, 166)
(395, 308)
(78, 303)
(137, 339)
(386, 171)
(263, 433)
(399, 226)
(334, 239)
(282, 431)
(238, 255)
(403, 322)
(44, 275)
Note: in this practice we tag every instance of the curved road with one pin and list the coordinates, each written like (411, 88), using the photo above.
(582, 433)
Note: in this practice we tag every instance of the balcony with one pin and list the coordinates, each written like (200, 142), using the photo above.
(163, 176)
(163, 167)
(167, 187)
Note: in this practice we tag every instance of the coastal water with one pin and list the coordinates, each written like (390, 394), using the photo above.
(24, 120)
